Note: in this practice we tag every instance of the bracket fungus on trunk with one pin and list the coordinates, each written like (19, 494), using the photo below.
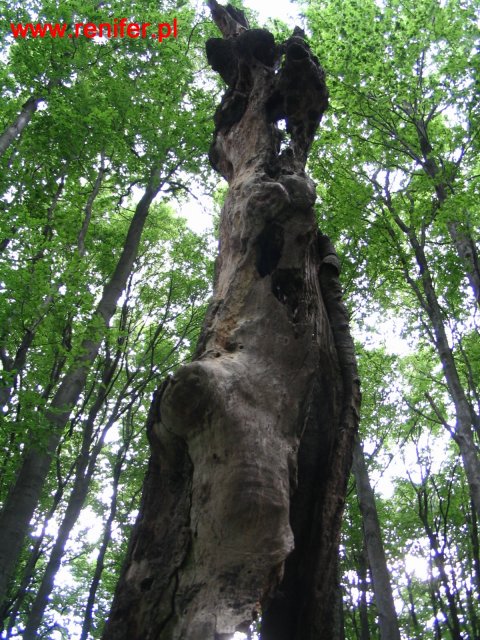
(251, 442)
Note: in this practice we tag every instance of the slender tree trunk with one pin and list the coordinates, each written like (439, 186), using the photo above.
(472, 609)
(363, 604)
(437, 604)
(11, 609)
(89, 206)
(438, 558)
(84, 471)
(26, 492)
(462, 241)
(468, 254)
(475, 542)
(417, 631)
(435, 600)
(14, 366)
(382, 588)
(16, 128)
(251, 442)
(107, 535)
(55, 373)
(466, 418)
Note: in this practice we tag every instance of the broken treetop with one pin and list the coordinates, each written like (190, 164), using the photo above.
(291, 77)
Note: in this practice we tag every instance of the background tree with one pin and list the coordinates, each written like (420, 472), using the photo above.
(71, 218)
(398, 185)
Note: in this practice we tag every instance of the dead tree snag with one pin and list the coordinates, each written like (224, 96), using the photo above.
(251, 442)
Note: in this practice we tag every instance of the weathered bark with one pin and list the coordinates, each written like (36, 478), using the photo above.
(25, 494)
(251, 442)
(382, 588)
(16, 128)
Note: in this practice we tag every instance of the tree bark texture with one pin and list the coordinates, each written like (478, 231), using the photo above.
(251, 442)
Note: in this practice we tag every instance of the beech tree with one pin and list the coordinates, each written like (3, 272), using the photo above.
(252, 441)
(72, 237)
(399, 185)
(417, 163)
(387, 617)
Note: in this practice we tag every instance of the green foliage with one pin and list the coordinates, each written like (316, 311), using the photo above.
(110, 115)
(397, 169)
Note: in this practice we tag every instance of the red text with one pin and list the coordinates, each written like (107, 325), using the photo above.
(119, 28)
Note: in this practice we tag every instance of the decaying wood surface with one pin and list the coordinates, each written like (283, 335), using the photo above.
(251, 442)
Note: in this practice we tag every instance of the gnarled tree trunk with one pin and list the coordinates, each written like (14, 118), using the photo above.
(251, 442)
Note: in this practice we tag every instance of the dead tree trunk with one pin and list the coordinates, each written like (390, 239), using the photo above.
(251, 442)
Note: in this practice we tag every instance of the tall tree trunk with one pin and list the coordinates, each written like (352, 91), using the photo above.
(106, 538)
(25, 494)
(382, 588)
(473, 528)
(251, 442)
(84, 471)
(363, 604)
(438, 557)
(466, 417)
(53, 378)
(10, 610)
(461, 238)
(89, 206)
(16, 128)
(417, 631)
